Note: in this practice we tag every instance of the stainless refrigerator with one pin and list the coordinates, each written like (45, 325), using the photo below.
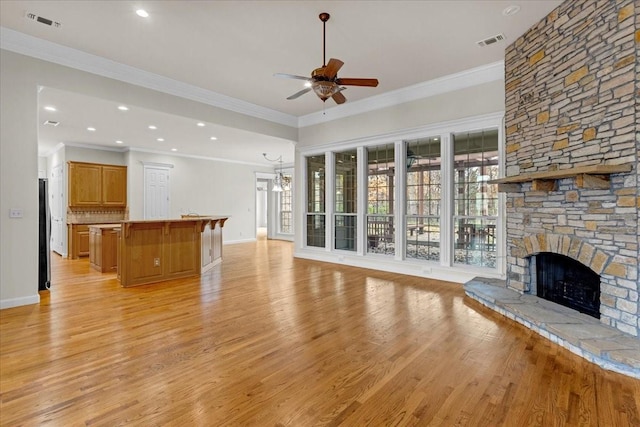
(44, 233)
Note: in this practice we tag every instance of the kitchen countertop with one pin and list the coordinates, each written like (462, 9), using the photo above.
(103, 226)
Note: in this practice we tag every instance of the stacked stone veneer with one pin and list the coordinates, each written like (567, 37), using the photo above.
(572, 91)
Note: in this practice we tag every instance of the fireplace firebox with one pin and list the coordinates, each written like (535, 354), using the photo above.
(567, 282)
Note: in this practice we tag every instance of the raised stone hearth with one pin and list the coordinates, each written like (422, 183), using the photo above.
(581, 334)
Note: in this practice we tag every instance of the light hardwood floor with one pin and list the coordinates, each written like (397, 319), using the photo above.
(268, 340)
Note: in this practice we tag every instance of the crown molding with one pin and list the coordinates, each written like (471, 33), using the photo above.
(464, 79)
(24, 44)
(194, 156)
(157, 165)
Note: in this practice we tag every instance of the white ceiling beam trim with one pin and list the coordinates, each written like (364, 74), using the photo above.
(24, 44)
(468, 78)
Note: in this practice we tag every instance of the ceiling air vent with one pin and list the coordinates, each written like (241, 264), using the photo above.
(42, 20)
(491, 40)
(51, 123)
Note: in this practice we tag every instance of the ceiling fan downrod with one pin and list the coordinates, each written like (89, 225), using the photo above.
(324, 17)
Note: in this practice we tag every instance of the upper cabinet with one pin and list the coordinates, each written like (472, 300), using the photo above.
(114, 185)
(96, 185)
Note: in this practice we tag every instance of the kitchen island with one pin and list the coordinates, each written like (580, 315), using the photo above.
(158, 250)
(211, 248)
(103, 247)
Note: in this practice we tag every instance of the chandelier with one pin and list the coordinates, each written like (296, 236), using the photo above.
(281, 182)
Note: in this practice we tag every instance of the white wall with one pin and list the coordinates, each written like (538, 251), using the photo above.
(20, 77)
(89, 155)
(201, 186)
(472, 101)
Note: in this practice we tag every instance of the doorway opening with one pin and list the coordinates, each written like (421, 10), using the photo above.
(262, 208)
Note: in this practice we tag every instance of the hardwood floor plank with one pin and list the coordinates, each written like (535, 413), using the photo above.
(265, 339)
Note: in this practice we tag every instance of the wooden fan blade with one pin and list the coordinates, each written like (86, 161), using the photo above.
(357, 82)
(339, 98)
(291, 76)
(298, 94)
(331, 70)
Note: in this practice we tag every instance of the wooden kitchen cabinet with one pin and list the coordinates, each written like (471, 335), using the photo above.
(114, 185)
(97, 185)
(78, 240)
(103, 247)
(85, 184)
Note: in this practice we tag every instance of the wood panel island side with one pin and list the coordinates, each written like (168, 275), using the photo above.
(153, 251)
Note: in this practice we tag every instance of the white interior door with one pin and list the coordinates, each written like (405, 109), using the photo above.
(156, 192)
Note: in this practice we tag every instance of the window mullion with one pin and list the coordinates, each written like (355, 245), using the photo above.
(329, 205)
(399, 199)
(446, 206)
(362, 200)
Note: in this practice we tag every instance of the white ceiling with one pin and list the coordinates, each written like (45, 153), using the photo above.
(233, 48)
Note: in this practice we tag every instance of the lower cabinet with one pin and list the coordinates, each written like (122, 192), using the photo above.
(103, 247)
(78, 240)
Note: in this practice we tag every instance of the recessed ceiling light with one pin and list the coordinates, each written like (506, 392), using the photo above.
(511, 10)
(91, 129)
(123, 108)
(213, 138)
(118, 142)
(142, 13)
(160, 139)
(50, 108)
(200, 124)
(152, 127)
(174, 149)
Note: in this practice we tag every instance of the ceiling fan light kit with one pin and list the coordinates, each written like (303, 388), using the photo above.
(324, 81)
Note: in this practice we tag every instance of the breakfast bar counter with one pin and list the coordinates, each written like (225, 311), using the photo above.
(158, 250)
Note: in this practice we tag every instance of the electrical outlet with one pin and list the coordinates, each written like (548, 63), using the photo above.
(156, 262)
(15, 213)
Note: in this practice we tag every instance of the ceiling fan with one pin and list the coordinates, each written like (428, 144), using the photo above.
(324, 81)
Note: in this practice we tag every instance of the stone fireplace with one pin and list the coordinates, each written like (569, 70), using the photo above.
(572, 127)
(567, 282)
(572, 117)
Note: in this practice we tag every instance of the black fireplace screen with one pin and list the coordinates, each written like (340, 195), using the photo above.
(568, 282)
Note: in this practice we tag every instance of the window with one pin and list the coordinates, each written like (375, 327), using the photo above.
(285, 225)
(380, 187)
(475, 202)
(315, 201)
(345, 200)
(423, 199)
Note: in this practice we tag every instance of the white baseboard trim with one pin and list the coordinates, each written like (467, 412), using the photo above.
(17, 302)
(233, 242)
